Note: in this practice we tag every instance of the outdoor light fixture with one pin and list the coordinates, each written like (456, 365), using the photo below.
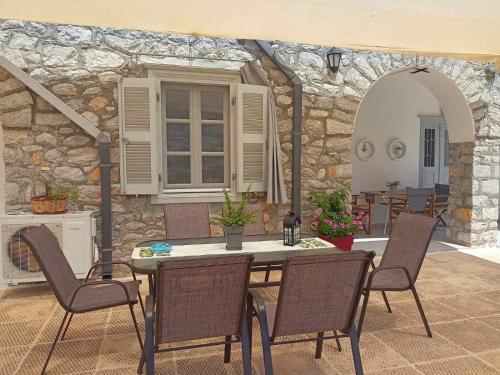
(333, 58)
(291, 229)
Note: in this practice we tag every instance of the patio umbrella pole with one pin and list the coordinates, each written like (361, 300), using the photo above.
(296, 121)
(106, 232)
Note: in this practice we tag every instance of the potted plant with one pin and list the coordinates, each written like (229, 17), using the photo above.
(393, 186)
(233, 219)
(332, 220)
(55, 200)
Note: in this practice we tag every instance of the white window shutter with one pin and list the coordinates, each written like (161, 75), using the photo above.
(138, 141)
(251, 135)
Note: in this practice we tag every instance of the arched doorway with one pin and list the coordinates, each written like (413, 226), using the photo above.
(419, 125)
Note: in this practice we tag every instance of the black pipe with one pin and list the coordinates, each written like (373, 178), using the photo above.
(296, 121)
(106, 230)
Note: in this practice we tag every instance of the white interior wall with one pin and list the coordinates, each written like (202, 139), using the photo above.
(390, 110)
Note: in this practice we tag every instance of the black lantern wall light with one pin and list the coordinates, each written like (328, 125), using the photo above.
(333, 58)
(291, 229)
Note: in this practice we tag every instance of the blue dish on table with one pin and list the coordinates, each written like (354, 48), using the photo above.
(161, 247)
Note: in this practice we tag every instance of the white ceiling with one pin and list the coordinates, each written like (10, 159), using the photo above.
(458, 28)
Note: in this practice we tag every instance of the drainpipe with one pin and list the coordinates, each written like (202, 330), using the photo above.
(296, 120)
(103, 142)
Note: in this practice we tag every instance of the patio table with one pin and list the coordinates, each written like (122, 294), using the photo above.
(386, 196)
(268, 251)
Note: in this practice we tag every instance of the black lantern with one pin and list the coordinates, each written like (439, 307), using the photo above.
(333, 58)
(291, 229)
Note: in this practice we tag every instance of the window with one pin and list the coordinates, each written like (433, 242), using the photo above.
(186, 135)
(195, 136)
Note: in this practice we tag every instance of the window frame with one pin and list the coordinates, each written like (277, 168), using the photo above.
(195, 123)
(203, 77)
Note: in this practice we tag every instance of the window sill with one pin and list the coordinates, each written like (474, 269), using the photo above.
(192, 197)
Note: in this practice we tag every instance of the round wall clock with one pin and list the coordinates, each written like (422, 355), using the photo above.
(396, 149)
(364, 149)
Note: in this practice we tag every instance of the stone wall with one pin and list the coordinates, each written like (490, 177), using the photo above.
(81, 65)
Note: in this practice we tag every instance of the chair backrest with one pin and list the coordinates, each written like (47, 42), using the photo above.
(202, 297)
(417, 199)
(186, 220)
(442, 191)
(320, 292)
(50, 257)
(408, 243)
(256, 228)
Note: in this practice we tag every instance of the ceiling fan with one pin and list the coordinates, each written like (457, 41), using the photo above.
(420, 70)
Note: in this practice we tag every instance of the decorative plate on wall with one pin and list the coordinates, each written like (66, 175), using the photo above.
(396, 149)
(364, 149)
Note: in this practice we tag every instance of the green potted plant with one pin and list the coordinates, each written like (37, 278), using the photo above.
(393, 186)
(55, 200)
(233, 219)
(333, 222)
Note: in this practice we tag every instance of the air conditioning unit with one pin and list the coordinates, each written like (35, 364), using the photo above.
(75, 232)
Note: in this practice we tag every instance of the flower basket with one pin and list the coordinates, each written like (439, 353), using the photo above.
(343, 243)
(45, 205)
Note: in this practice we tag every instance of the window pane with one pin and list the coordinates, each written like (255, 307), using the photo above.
(178, 137)
(177, 102)
(429, 147)
(178, 169)
(212, 106)
(212, 138)
(212, 169)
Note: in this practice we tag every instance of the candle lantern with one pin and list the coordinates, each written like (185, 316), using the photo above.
(291, 229)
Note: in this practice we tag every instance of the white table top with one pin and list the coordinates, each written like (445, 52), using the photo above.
(220, 248)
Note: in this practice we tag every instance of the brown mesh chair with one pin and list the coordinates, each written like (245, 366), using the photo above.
(186, 220)
(318, 293)
(76, 298)
(200, 298)
(403, 257)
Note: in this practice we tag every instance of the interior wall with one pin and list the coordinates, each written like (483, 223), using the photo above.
(390, 110)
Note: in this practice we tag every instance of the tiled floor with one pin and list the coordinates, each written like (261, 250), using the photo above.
(460, 293)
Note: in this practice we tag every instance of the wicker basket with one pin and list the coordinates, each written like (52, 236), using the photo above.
(45, 205)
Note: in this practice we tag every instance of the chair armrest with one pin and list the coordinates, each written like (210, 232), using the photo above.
(376, 270)
(97, 264)
(96, 283)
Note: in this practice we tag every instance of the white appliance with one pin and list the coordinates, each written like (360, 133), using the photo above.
(75, 232)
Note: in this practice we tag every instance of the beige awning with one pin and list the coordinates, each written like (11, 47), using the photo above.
(456, 28)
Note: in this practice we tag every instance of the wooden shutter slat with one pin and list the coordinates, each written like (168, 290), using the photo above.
(138, 136)
(252, 132)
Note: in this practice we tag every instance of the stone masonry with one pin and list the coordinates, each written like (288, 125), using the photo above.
(81, 65)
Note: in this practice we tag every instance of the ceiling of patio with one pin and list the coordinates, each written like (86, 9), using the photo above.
(462, 28)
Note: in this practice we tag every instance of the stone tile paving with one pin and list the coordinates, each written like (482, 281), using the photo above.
(460, 293)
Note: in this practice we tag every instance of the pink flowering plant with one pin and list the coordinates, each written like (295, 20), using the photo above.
(332, 217)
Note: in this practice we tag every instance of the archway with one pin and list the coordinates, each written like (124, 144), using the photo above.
(427, 118)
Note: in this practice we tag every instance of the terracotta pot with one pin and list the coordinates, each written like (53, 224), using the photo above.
(234, 237)
(343, 243)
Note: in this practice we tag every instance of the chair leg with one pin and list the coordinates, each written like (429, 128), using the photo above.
(339, 347)
(268, 274)
(266, 344)
(54, 343)
(136, 326)
(141, 363)
(386, 301)
(421, 310)
(363, 312)
(355, 350)
(142, 303)
(249, 321)
(67, 325)
(319, 345)
(245, 347)
(227, 350)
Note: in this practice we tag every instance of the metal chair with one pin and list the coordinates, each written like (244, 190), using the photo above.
(195, 299)
(440, 204)
(186, 220)
(401, 262)
(76, 298)
(318, 293)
